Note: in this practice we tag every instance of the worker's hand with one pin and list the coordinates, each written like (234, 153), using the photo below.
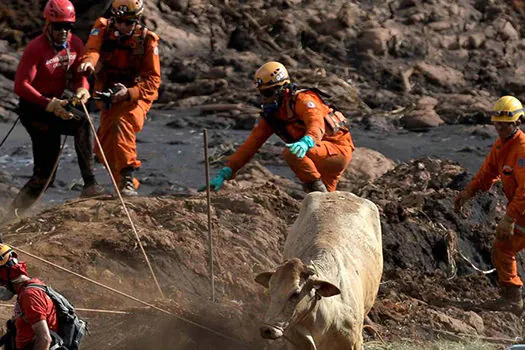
(121, 93)
(505, 228)
(56, 106)
(86, 67)
(302, 146)
(81, 96)
(216, 183)
(460, 200)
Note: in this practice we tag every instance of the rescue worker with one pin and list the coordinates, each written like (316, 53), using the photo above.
(48, 67)
(505, 162)
(35, 316)
(124, 54)
(318, 143)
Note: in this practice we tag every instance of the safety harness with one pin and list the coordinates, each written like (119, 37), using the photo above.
(335, 121)
(136, 48)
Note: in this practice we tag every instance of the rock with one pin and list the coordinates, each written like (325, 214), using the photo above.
(451, 324)
(444, 76)
(475, 40)
(375, 40)
(475, 321)
(508, 32)
(368, 164)
(440, 25)
(426, 102)
(421, 120)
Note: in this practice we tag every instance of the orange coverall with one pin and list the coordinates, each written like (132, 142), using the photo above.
(326, 160)
(120, 60)
(506, 162)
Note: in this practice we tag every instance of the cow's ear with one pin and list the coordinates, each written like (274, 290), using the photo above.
(264, 278)
(325, 289)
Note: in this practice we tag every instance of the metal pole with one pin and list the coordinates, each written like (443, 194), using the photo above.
(208, 198)
(9, 132)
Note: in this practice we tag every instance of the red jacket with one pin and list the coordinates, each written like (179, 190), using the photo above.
(505, 162)
(33, 305)
(41, 75)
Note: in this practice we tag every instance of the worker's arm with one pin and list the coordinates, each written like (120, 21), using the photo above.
(26, 73)
(148, 86)
(42, 335)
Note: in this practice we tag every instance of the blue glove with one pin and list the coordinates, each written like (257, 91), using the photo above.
(302, 146)
(216, 183)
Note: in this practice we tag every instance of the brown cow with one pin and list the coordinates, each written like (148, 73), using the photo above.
(321, 294)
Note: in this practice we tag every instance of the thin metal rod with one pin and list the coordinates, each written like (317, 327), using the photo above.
(208, 202)
(121, 199)
(100, 311)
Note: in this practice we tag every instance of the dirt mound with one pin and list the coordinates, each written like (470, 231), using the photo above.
(94, 238)
(424, 289)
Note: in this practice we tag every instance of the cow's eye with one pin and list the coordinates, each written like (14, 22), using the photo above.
(294, 296)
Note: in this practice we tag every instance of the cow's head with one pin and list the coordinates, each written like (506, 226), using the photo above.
(294, 292)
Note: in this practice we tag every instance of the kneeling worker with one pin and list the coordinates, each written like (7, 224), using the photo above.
(318, 143)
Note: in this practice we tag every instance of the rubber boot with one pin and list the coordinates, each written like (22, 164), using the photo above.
(127, 187)
(510, 300)
(314, 186)
(92, 190)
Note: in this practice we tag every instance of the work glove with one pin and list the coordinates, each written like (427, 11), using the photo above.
(81, 96)
(86, 67)
(56, 106)
(121, 93)
(460, 200)
(505, 228)
(302, 146)
(216, 183)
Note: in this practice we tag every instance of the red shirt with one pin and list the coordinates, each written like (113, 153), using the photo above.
(32, 305)
(41, 73)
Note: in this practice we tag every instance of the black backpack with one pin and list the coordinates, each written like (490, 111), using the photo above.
(71, 329)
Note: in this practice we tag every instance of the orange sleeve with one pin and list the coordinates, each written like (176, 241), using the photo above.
(487, 175)
(516, 206)
(312, 111)
(94, 42)
(260, 133)
(148, 86)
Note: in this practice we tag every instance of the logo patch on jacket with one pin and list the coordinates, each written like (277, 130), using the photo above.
(310, 104)
(507, 169)
(94, 32)
(521, 162)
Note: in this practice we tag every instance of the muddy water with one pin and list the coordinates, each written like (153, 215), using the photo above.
(172, 158)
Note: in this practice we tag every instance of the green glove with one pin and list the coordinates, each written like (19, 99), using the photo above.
(216, 183)
(302, 146)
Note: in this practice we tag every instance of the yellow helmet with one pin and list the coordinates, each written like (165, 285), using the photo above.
(271, 74)
(507, 109)
(5, 254)
(127, 8)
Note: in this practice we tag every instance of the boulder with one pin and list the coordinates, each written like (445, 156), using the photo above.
(368, 164)
(421, 120)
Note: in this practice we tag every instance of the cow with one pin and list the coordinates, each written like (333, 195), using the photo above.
(328, 283)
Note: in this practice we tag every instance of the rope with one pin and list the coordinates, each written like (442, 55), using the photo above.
(102, 311)
(121, 199)
(9, 132)
(183, 319)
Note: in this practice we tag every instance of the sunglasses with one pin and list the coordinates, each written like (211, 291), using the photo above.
(270, 91)
(127, 21)
(62, 26)
(506, 113)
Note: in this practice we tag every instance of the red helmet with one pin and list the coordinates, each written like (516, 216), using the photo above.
(60, 11)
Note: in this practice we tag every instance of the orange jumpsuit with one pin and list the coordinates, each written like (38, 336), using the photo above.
(506, 162)
(133, 61)
(326, 160)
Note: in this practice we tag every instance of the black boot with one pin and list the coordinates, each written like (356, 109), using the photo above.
(510, 300)
(127, 187)
(314, 186)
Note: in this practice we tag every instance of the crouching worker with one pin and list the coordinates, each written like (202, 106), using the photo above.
(43, 319)
(124, 55)
(47, 67)
(318, 143)
(505, 162)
